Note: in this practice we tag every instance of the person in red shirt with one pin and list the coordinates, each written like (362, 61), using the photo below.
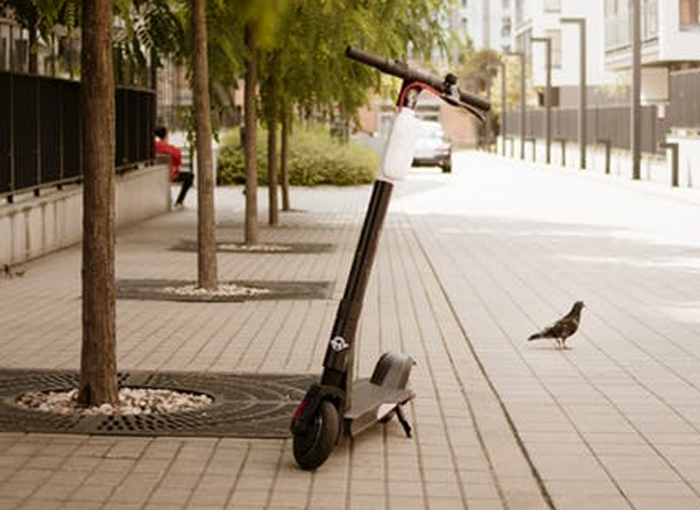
(176, 175)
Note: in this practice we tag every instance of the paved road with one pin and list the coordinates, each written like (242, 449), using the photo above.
(470, 264)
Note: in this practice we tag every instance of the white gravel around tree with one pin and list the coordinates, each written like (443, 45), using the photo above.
(132, 401)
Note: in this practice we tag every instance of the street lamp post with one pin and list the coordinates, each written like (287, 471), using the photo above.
(502, 65)
(521, 56)
(582, 97)
(489, 114)
(636, 110)
(547, 95)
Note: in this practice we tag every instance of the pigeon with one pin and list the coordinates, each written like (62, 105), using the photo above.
(563, 328)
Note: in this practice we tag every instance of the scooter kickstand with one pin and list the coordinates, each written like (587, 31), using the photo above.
(402, 419)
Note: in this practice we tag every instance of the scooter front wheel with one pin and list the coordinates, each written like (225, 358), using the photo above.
(314, 446)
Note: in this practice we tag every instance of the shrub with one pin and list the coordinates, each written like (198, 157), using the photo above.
(314, 158)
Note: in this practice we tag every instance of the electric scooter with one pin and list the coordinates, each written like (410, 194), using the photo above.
(339, 403)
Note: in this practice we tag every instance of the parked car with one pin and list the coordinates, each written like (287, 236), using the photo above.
(433, 148)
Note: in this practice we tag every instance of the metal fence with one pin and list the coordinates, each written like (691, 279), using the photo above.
(684, 109)
(40, 131)
(611, 123)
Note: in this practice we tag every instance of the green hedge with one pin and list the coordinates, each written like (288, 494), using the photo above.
(315, 158)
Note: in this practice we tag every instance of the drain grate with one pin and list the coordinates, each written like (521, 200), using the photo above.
(245, 405)
(190, 245)
(161, 290)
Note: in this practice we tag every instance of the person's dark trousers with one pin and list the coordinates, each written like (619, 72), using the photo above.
(186, 178)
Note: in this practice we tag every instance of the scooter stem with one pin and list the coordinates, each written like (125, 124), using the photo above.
(339, 363)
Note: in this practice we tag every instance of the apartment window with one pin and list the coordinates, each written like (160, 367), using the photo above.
(650, 19)
(552, 5)
(555, 37)
(617, 23)
(553, 97)
(688, 11)
(519, 11)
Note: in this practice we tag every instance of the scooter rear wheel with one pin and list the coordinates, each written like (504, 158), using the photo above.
(312, 448)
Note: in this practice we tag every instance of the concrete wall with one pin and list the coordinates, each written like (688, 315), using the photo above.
(35, 226)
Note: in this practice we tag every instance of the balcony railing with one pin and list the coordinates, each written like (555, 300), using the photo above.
(618, 28)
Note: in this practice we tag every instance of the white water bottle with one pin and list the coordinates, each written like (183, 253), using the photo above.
(398, 151)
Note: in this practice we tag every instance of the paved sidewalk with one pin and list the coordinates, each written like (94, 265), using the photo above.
(469, 264)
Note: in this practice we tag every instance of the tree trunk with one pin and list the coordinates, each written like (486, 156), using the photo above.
(273, 216)
(206, 226)
(33, 52)
(98, 367)
(284, 160)
(251, 170)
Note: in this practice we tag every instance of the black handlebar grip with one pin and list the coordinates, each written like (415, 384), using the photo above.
(401, 70)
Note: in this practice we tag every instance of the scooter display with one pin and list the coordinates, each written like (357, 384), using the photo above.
(338, 403)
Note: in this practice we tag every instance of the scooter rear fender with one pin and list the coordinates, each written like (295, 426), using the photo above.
(392, 370)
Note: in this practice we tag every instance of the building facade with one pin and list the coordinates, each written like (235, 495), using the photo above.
(528, 19)
(482, 21)
(669, 64)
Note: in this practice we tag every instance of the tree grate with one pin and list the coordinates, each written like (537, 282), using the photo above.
(245, 405)
(190, 245)
(160, 290)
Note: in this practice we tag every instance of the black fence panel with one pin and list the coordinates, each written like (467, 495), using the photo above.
(565, 124)
(5, 135)
(25, 120)
(612, 123)
(606, 124)
(535, 124)
(72, 167)
(50, 146)
(684, 110)
(40, 136)
(135, 126)
(121, 142)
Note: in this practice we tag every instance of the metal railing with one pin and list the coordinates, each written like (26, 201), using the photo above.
(612, 122)
(40, 131)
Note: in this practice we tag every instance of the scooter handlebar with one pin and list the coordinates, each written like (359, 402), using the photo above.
(401, 70)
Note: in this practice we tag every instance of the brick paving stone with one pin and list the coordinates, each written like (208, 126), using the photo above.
(170, 496)
(33, 504)
(96, 493)
(78, 505)
(53, 492)
(125, 506)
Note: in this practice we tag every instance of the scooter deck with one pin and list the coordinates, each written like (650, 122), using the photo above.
(371, 403)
